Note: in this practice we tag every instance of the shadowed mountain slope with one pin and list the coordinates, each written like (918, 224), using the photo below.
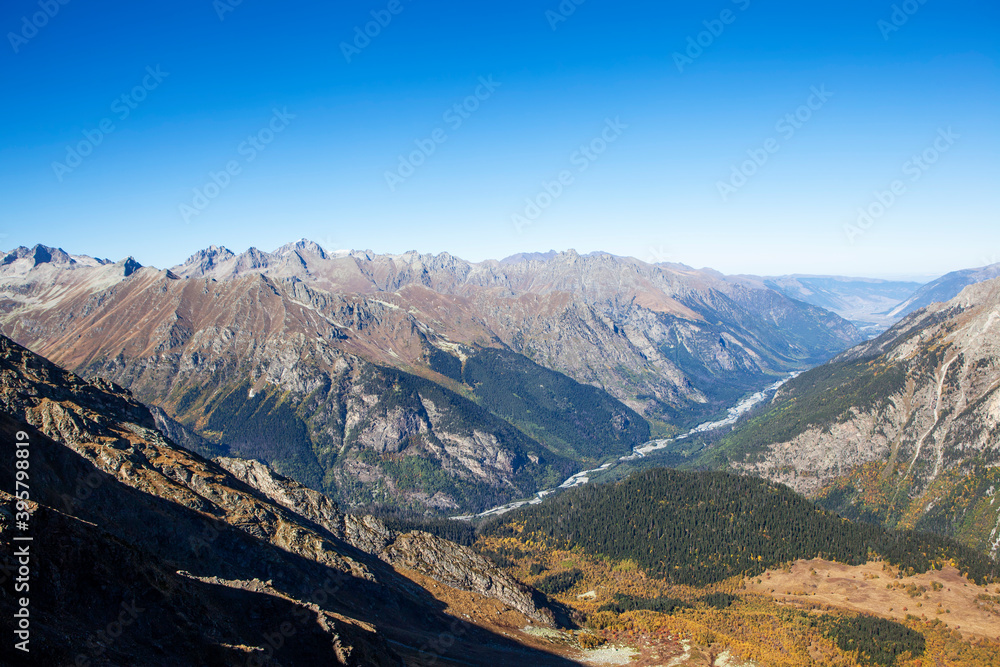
(209, 568)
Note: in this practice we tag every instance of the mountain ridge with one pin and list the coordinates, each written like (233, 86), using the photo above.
(945, 288)
(340, 367)
(902, 429)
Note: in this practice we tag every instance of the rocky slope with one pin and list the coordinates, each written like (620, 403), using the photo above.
(904, 429)
(209, 568)
(416, 379)
(444, 561)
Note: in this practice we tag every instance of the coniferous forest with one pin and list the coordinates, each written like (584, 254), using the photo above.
(700, 528)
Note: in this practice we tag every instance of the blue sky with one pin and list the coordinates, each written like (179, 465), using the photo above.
(304, 136)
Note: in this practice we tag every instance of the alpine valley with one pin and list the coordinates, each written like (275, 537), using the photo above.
(415, 380)
(257, 458)
(142, 552)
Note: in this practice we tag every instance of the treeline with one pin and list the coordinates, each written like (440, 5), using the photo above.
(664, 604)
(700, 528)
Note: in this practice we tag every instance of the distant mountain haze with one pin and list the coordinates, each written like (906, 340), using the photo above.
(863, 301)
(945, 288)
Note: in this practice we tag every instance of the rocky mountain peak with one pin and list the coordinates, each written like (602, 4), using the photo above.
(253, 258)
(205, 260)
(302, 247)
(129, 266)
(39, 254)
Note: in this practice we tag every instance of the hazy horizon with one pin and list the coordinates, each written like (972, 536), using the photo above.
(911, 277)
(855, 139)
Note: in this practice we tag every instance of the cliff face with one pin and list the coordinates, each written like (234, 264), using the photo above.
(209, 568)
(904, 429)
(413, 379)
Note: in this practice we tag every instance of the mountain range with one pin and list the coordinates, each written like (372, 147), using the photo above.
(190, 495)
(438, 384)
(413, 379)
(865, 302)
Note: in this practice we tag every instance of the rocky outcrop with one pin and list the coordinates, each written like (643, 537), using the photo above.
(302, 500)
(130, 518)
(449, 563)
(462, 568)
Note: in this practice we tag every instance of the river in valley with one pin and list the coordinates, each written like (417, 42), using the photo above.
(583, 477)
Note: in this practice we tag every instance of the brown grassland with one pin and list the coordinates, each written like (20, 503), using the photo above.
(773, 620)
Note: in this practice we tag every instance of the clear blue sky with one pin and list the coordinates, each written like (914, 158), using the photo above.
(653, 193)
